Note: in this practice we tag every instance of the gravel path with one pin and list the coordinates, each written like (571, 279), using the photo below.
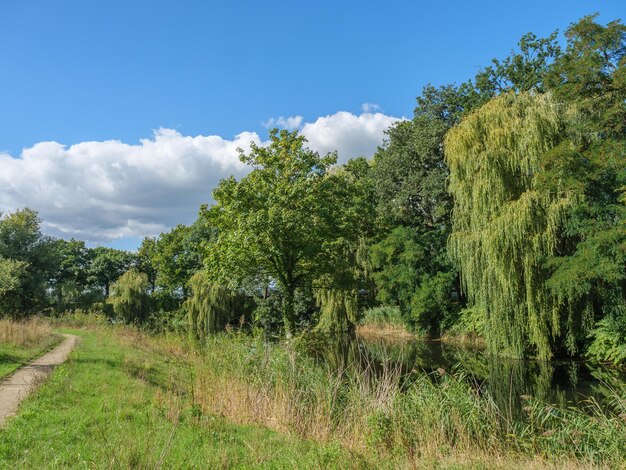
(22, 382)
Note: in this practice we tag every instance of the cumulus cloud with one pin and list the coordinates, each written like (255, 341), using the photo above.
(102, 191)
(349, 134)
(290, 123)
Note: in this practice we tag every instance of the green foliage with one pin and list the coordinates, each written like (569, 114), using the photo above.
(383, 315)
(609, 337)
(129, 297)
(591, 74)
(504, 228)
(268, 310)
(209, 307)
(523, 70)
(277, 224)
(11, 274)
(409, 175)
(470, 321)
(146, 260)
(176, 256)
(27, 263)
(107, 265)
(433, 306)
(408, 171)
(397, 261)
(339, 309)
(411, 270)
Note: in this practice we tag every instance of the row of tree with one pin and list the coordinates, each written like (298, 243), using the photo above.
(499, 209)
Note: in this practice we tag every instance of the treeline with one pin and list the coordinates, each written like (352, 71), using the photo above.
(42, 274)
(498, 210)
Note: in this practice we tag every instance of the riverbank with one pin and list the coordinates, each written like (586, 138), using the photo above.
(147, 401)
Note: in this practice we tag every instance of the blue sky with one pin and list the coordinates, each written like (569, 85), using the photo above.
(80, 71)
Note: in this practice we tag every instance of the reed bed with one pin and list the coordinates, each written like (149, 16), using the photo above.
(372, 411)
(439, 417)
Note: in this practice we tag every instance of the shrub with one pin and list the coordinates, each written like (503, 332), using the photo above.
(384, 315)
(609, 338)
(433, 306)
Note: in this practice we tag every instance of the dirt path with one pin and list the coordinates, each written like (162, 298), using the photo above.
(22, 382)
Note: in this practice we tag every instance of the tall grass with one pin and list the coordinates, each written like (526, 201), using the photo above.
(25, 334)
(370, 410)
(374, 411)
(384, 321)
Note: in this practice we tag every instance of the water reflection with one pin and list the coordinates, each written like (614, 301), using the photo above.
(560, 383)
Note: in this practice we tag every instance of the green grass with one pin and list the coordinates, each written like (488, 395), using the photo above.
(12, 356)
(126, 399)
(112, 405)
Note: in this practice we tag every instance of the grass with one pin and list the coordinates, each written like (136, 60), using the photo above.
(127, 399)
(21, 342)
(116, 404)
(437, 419)
(384, 322)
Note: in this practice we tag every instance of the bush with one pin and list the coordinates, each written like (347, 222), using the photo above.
(268, 312)
(433, 307)
(384, 315)
(79, 318)
(470, 322)
(609, 338)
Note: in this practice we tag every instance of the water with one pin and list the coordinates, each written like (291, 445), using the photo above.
(569, 383)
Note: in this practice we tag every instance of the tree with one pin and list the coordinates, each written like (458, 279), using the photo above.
(129, 297)
(280, 221)
(548, 199)
(591, 74)
(178, 254)
(11, 278)
(523, 70)
(590, 269)
(209, 307)
(504, 228)
(26, 252)
(146, 258)
(107, 265)
(69, 282)
(414, 207)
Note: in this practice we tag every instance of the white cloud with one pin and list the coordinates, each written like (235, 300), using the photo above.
(351, 135)
(101, 191)
(290, 123)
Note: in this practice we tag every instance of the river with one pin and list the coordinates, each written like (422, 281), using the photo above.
(562, 383)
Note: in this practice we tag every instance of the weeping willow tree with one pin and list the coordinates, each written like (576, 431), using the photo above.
(129, 297)
(504, 226)
(338, 309)
(209, 307)
(337, 293)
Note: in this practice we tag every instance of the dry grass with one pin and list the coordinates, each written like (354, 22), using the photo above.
(429, 425)
(387, 331)
(25, 334)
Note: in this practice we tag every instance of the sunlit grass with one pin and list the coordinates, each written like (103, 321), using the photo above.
(23, 341)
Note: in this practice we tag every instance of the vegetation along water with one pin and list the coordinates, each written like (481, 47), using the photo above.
(459, 299)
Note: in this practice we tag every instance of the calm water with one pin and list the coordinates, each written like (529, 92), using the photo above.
(560, 383)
